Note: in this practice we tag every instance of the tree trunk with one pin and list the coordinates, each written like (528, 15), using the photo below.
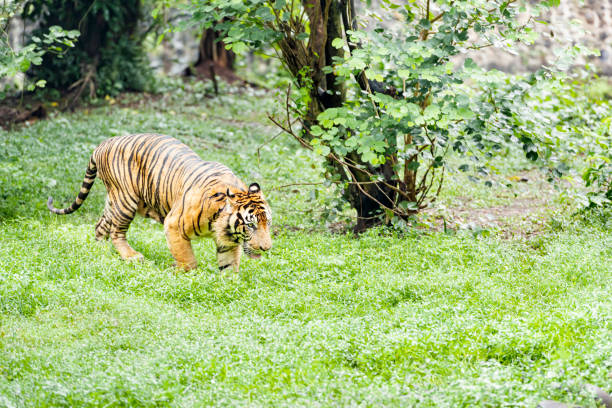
(368, 199)
(365, 198)
(330, 19)
(214, 58)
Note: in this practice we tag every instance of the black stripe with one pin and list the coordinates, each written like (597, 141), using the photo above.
(222, 267)
(199, 216)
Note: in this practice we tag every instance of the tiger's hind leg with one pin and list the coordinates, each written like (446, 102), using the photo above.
(123, 210)
(104, 225)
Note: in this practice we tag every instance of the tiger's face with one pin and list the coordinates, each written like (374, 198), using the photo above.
(248, 221)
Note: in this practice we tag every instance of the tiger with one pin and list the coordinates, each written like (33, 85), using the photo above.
(158, 177)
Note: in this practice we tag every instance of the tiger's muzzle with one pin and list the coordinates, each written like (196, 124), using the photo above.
(255, 249)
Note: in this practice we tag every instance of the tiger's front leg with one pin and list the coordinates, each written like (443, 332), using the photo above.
(229, 256)
(180, 248)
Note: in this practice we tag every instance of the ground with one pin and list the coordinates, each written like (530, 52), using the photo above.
(507, 306)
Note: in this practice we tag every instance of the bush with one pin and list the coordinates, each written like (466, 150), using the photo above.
(109, 57)
(562, 126)
(384, 107)
(52, 41)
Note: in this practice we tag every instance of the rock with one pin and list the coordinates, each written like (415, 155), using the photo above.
(601, 396)
(552, 404)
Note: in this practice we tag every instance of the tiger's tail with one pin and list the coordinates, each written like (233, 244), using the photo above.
(90, 177)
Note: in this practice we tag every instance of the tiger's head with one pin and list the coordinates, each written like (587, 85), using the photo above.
(245, 220)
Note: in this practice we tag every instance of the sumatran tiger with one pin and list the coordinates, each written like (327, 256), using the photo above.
(159, 177)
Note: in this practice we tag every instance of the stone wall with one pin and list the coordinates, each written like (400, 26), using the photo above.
(593, 27)
(587, 22)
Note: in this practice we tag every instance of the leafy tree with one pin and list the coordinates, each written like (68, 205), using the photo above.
(214, 58)
(383, 106)
(572, 129)
(108, 58)
(54, 41)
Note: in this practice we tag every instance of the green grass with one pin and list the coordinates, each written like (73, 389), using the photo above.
(419, 319)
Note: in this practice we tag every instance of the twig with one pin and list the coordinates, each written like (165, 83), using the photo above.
(86, 80)
(265, 143)
(296, 184)
(85, 15)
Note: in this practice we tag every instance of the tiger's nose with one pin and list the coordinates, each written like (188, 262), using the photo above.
(265, 246)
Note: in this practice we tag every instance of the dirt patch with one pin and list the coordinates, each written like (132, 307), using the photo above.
(12, 112)
(524, 217)
(526, 214)
(210, 70)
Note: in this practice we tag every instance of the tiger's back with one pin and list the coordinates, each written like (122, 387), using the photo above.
(154, 171)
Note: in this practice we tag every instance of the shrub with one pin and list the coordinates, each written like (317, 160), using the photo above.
(108, 58)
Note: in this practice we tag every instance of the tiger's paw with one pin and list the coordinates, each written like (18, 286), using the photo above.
(137, 257)
(185, 266)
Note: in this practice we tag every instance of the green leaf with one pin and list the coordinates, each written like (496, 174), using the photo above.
(24, 65)
(470, 64)
(431, 112)
(598, 199)
(322, 150)
(413, 165)
(404, 73)
(264, 14)
(238, 47)
(369, 156)
(338, 43)
(409, 205)
(425, 23)
(316, 130)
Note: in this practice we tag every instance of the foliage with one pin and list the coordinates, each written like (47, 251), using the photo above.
(386, 106)
(108, 58)
(53, 41)
(427, 320)
(563, 125)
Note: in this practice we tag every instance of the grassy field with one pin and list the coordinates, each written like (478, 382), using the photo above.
(422, 318)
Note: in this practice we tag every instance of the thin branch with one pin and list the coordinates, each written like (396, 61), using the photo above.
(274, 188)
(479, 47)
(322, 182)
(265, 143)
(303, 142)
(436, 18)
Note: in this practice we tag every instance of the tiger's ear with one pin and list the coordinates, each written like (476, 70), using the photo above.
(254, 188)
